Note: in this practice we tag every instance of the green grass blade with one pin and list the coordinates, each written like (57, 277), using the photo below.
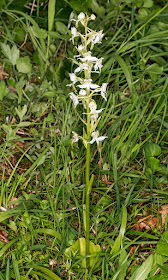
(139, 29)
(47, 272)
(7, 246)
(114, 161)
(7, 276)
(16, 267)
(50, 232)
(51, 14)
(125, 69)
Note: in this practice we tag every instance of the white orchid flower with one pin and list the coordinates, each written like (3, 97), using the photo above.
(83, 93)
(96, 138)
(93, 112)
(70, 19)
(98, 64)
(92, 105)
(82, 66)
(88, 57)
(102, 90)
(81, 18)
(92, 17)
(87, 84)
(74, 33)
(97, 37)
(80, 48)
(73, 78)
(75, 137)
(74, 98)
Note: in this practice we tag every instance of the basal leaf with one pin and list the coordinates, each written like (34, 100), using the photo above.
(23, 65)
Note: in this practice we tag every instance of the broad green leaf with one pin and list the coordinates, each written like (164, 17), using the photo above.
(138, 3)
(162, 246)
(23, 65)
(143, 14)
(97, 9)
(80, 5)
(11, 53)
(78, 249)
(153, 163)
(50, 118)
(152, 150)
(142, 272)
(148, 4)
(61, 28)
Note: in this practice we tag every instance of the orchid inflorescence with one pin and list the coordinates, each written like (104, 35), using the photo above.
(83, 87)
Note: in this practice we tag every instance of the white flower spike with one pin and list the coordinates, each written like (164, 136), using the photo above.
(86, 65)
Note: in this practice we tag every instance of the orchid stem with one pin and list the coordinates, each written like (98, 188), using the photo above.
(87, 204)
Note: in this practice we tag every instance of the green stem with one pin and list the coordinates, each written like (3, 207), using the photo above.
(87, 203)
(88, 191)
(88, 187)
